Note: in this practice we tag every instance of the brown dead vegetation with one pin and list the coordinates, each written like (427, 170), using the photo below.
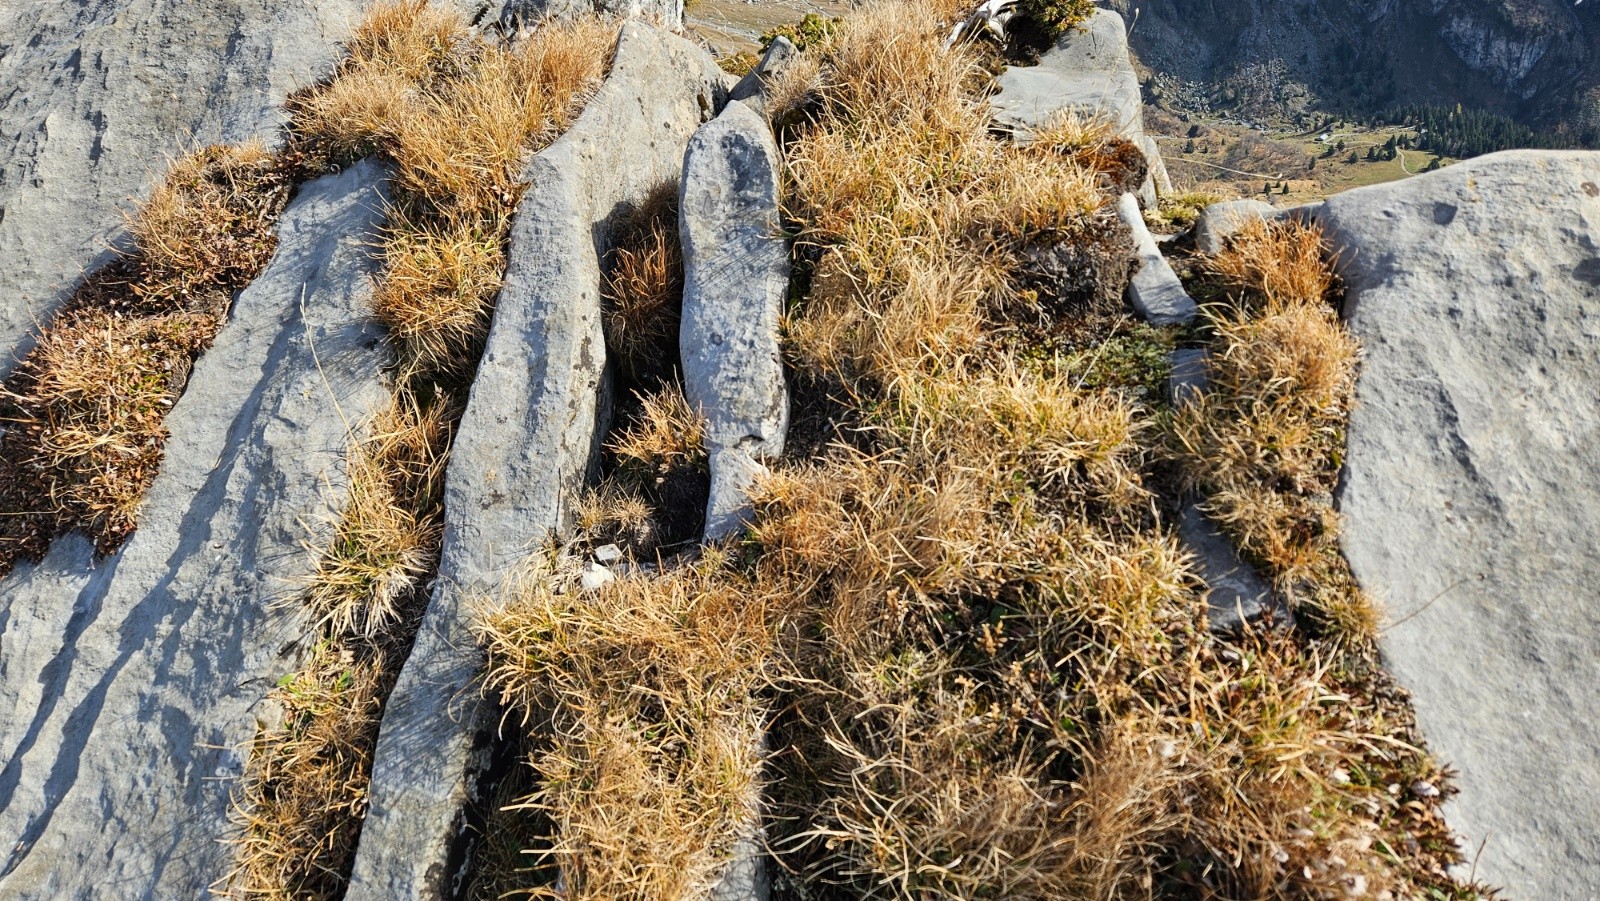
(85, 410)
(1265, 442)
(977, 654)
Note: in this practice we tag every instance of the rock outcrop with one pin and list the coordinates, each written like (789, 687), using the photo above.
(667, 13)
(125, 738)
(96, 96)
(1155, 291)
(736, 277)
(1089, 72)
(1470, 489)
(526, 446)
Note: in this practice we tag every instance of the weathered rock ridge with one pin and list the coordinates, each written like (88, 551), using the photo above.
(736, 266)
(528, 443)
(135, 688)
(1470, 489)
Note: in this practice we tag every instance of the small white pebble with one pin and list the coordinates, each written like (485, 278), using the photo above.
(1424, 789)
(595, 576)
(1341, 776)
(608, 553)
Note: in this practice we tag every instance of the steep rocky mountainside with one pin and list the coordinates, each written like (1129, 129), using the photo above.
(1534, 60)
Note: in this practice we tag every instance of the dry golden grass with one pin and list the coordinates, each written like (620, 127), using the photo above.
(389, 534)
(441, 276)
(86, 409)
(209, 228)
(1276, 264)
(643, 292)
(1265, 442)
(646, 698)
(413, 39)
(306, 784)
(978, 654)
(666, 434)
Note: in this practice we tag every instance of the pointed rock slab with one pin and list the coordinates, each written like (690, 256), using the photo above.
(1471, 494)
(736, 277)
(1156, 291)
(1237, 596)
(97, 95)
(1089, 72)
(124, 768)
(527, 445)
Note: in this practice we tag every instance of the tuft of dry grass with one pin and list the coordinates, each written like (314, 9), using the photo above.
(648, 696)
(441, 276)
(643, 292)
(1264, 443)
(85, 410)
(667, 433)
(389, 534)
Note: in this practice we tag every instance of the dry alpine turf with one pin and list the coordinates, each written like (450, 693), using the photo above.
(959, 655)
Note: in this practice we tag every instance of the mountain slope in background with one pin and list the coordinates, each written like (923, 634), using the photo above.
(1537, 61)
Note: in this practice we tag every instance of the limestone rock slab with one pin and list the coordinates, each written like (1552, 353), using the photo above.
(125, 752)
(528, 443)
(1471, 491)
(1155, 291)
(668, 13)
(1088, 72)
(97, 95)
(736, 277)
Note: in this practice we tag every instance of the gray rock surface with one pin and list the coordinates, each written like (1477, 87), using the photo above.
(1159, 176)
(527, 444)
(747, 877)
(736, 277)
(1221, 221)
(1155, 291)
(1236, 595)
(1471, 493)
(1089, 72)
(36, 601)
(128, 745)
(97, 95)
(1190, 377)
(667, 13)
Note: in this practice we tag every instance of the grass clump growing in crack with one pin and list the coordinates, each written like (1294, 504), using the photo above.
(642, 297)
(85, 410)
(1265, 442)
(647, 692)
(456, 114)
